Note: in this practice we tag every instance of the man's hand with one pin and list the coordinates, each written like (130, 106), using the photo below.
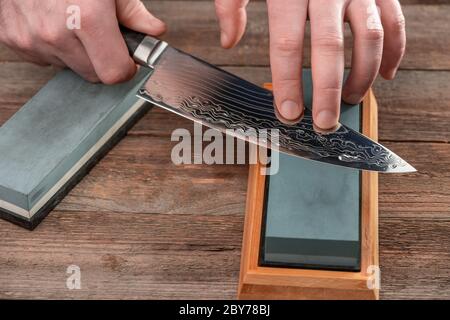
(38, 32)
(379, 45)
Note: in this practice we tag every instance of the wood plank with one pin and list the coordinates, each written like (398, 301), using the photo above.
(193, 28)
(414, 255)
(138, 176)
(123, 256)
(415, 225)
(132, 236)
(414, 107)
(20, 81)
(143, 167)
(140, 247)
(151, 274)
(422, 194)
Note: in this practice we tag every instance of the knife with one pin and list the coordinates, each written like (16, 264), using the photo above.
(201, 92)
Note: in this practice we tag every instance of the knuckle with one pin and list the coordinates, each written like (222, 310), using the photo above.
(376, 35)
(398, 24)
(133, 7)
(329, 42)
(287, 81)
(331, 89)
(89, 19)
(114, 75)
(227, 6)
(51, 36)
(288, 45)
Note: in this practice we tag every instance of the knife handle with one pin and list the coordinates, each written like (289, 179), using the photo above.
(132, 38)
(144, 49)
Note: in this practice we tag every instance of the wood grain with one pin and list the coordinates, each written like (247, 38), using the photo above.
(413, 107)
(193, 28)
(140, 227)
(143, 166)
(123, 255)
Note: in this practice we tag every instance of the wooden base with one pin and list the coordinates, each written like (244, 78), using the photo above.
(258, 282)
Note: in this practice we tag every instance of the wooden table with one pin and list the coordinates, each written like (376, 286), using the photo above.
(140, 227)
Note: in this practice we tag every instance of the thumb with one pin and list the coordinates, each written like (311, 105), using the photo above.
(134, 15)
(232, 19)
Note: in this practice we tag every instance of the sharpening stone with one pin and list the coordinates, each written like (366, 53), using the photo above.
(312, 213)
(53, 141)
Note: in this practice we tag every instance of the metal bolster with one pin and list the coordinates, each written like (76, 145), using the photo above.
(148, 52)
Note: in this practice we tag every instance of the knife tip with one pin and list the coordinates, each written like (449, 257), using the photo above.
(409, 168)
(405, 168)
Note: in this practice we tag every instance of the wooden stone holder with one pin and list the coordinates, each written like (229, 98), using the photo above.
(258, 282)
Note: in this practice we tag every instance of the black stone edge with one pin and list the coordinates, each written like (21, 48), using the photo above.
(37, 218)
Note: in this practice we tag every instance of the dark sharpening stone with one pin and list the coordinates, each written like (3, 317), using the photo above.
(312, 209)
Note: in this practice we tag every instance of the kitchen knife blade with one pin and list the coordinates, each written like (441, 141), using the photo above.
(203, 93)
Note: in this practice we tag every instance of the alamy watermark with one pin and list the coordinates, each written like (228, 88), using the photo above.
(226, 149)
(73, 21)
(73, 282)
(373, 281)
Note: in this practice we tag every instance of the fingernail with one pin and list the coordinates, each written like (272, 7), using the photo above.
(290, 110)
(160, 24)
(224, 39)
(326, 119)
(390, 74)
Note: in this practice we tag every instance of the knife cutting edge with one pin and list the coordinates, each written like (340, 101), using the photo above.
(203, 93)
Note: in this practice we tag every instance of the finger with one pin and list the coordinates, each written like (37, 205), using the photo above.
(134, 15)
(55, 61)
(232, 19)
(287, 21)
(327, 59)
(77, 59)
(367, 49)
(395, 37)
(104, 44)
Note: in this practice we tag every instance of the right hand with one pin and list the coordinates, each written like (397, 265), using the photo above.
(38, 32)
(379, 45)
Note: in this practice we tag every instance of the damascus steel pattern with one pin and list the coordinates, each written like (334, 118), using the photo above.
(203, 93)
